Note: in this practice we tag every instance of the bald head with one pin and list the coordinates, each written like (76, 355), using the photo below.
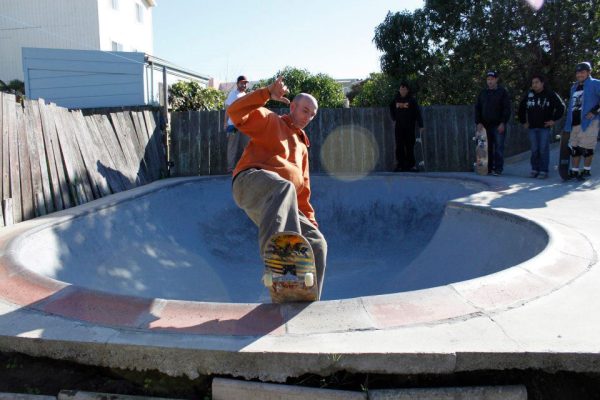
(306, 97)
(303, 109)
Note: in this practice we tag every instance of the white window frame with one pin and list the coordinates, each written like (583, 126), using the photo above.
(115, 4)
(139, 13)
(116, 46)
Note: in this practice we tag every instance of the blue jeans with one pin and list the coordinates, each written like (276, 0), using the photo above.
(540, 149)
(495, 148)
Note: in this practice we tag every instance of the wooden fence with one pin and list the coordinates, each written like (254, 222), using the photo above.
(53, 158)
(343, 140)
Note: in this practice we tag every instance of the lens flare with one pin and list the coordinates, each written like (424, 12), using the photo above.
(349, 153)
(535, 4)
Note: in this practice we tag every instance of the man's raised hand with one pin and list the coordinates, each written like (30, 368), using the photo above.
(278, 90)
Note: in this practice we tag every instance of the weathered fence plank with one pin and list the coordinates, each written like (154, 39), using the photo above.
(138, 162)
(27, 204)
(118, 156)
(38, 140)
(34, 161)
(157, 144)
(2, 123)
(15, 171)
(79, 183)
(125, 141)
(55, 165)
(91, 154)
(8, 117)
(145, 153)
(105, 165)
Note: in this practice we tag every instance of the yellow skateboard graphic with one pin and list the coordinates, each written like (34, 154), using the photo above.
(290, 272)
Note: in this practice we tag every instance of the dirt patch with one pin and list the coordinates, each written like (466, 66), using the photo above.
(32, 375)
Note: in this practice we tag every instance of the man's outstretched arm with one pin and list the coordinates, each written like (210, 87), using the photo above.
(248, 113)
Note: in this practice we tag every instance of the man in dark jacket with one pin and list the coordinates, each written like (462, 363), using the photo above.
(492, 112)
(538, 112)
(406, 112)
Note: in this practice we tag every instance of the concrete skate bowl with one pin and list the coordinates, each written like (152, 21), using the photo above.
(167, 277)
(188, 241)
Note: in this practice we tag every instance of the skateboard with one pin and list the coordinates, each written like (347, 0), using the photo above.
(290, 272)
(481, 152)
(419, 143)
(564, 157)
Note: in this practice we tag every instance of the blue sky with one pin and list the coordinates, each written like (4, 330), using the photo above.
(257, 38)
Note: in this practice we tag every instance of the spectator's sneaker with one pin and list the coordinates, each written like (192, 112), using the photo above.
(586, 173)
(496, 173)
(573, 174)
(533, 174)
(542, 175)
(580, 176)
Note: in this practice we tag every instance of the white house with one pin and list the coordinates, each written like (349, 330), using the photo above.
(85, 53)
(108, 25)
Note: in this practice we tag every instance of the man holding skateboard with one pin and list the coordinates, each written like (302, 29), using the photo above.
(271, 181)
(492, 112)
(583, 120)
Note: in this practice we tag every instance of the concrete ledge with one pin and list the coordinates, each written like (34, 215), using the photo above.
(78, 395)
(18, 396)
(229, 389)
(455, 393)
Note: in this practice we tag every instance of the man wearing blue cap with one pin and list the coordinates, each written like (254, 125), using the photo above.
(583, 120)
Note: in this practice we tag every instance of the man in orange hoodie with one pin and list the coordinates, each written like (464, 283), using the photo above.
(271, 181)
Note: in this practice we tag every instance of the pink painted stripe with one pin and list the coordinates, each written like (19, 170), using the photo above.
(25, 290)
(220, 319)
(99, 307)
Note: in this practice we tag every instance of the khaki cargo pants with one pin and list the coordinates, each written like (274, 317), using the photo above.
(271, 203)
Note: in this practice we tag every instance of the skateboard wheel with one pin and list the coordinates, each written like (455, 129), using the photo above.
(418, 140)
(422, 164)
(309, 279)
(268, 280)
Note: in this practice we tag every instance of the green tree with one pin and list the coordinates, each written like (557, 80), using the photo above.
(378, 90)
(15, 86)
(447, 46)
(186, 96)
(325, 89)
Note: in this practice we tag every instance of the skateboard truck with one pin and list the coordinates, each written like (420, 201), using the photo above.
(309, 280)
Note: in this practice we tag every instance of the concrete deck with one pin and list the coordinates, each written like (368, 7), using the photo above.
(539, 313)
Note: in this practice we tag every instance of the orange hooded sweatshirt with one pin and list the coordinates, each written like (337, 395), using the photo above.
(275, 145)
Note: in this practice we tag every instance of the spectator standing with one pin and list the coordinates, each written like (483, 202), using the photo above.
(583, 120)
(236, 140)
(492, 112)
(539, 110)
(405, 111)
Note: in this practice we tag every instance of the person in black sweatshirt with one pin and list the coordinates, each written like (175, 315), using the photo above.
(539, 110)
(406, 112)
(492, 112)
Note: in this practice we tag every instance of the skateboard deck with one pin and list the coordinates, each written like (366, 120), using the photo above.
(420, 151)
(481, 152)
(290, 272)
(564, 157)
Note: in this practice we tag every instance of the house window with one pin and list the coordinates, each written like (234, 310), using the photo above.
(117, 46)
(115, 4)
(139, 12)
